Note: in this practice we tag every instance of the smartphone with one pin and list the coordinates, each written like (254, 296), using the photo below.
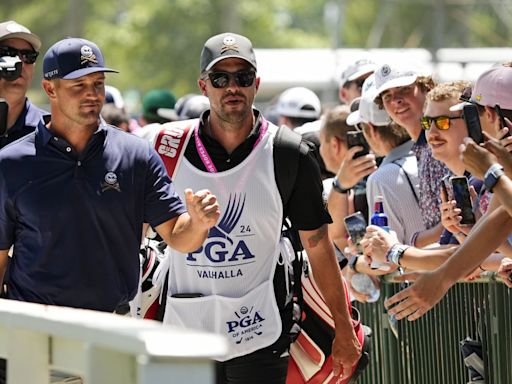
(470, 113)
(4, 108)
(356, 138)
(356, 228)
(498, 110)
(461, 195)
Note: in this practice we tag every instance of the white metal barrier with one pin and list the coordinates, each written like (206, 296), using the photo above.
(102, 348)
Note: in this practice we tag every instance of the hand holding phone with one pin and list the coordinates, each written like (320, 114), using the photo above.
(503, 124)
(356, 228)
(356, 138)
(472, 119)
(462, 197)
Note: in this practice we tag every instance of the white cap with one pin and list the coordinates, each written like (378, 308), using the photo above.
(112, 95)
(459, 106)
(12, 30)
(389, 76)
(299, 102)
(368, 111)
(357, 69)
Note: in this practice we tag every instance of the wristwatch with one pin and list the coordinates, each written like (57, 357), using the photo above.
(353, 262)
(338, 188)
(395, 253)
(492, 176)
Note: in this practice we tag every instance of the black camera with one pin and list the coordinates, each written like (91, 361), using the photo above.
(10, 68)
(4, 109)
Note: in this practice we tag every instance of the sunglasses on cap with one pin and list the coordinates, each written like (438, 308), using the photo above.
(27, 56)
(442, 122)
(222, 79)
(466, 94)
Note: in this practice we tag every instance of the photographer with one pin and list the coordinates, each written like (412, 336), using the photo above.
(17, 44)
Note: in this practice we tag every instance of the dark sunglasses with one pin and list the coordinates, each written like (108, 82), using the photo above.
(466, 94)
(27, 56)
(442, 122)
(222, 79)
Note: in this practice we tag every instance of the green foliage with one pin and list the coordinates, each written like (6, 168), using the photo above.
(157, 43)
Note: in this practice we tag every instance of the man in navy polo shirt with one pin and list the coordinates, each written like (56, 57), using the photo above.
(22, 117)
(74, 195)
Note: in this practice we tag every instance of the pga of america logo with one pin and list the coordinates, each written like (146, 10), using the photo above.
(246, 325)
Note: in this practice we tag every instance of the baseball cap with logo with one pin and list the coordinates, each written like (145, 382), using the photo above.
(12, 30)
(368, 111)
(224, 46)
(72, 58)
(356, 70)
(492, 87)
(389, 76)
(299, 102)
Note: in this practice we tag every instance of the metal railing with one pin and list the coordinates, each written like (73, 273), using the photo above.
(428, 350)
(101, 348)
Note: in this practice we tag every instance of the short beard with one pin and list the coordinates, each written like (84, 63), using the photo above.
(234, 117)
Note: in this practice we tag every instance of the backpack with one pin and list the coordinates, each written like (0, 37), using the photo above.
(312, 329)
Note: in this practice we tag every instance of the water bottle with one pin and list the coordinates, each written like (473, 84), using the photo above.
(364, 284)
(380, 219)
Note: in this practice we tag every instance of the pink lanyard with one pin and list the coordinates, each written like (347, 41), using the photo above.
(203, 153)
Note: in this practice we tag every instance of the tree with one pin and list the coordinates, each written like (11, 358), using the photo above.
(157, 43)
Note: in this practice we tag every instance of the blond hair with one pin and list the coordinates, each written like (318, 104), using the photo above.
(448, 90)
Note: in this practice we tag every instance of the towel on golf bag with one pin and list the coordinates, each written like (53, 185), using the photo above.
(310, 354)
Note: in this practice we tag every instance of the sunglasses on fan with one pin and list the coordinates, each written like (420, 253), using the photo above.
(441, 122)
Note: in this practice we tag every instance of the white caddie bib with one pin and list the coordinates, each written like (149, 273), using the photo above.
(234, 269)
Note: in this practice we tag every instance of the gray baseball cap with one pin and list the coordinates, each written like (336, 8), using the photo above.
(224, 46)
(12, 30)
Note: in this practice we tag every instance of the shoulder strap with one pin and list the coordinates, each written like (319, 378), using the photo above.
(288, 146)
(397, 162)
(171, 141)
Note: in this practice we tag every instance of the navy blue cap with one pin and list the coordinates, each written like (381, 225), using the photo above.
(72, 58)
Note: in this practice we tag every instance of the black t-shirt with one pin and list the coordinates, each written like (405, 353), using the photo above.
(306, 207)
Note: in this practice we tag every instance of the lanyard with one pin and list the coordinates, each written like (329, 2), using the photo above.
(203, 153)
